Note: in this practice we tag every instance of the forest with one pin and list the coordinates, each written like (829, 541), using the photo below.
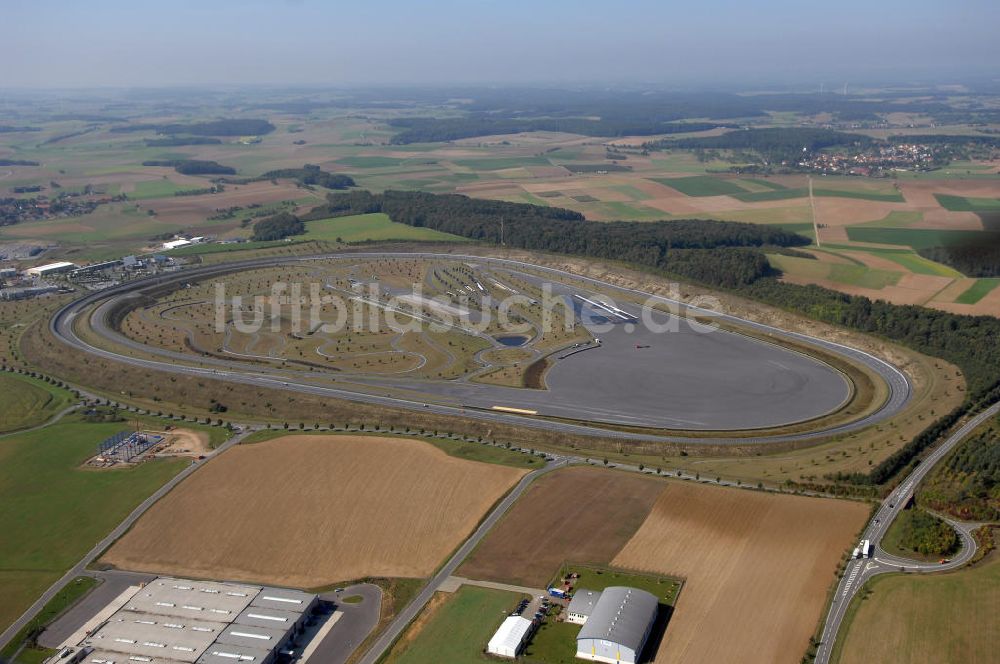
(980, 260)
(193, 166)
(774, 145)
(222, 127)
(310, 174)
(967, 484)
(719, 255)
(924, 533)
(717, 252)
(277, 227)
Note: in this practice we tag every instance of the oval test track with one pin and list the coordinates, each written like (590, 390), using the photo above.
(61, 326)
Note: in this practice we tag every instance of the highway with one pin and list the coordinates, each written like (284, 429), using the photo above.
(859, 571)
(61, 326)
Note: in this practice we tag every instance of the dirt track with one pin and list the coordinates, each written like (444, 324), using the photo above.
(757, 565)
(309, 511)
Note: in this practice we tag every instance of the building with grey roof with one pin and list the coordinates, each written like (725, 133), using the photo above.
(582, 605)
(181, 621)
(618, 626)
(284, 599)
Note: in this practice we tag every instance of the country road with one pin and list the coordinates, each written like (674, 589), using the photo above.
(406, 616)
(858, 572)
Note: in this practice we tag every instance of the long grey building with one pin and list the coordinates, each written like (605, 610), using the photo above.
(618, 626)
(180, 621)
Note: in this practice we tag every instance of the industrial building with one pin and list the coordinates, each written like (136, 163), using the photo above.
(176, 244)
(617, 626)
(510, 638)
(581, 606)
(51, 268)
(178, 621)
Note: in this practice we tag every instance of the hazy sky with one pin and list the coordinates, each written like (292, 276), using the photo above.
(142, 42)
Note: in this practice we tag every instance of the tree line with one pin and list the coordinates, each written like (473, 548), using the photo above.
(720, 255)
(435, 130)
(277, 227)
(774, 144)
(310, 174)
(979, 260)
(193, 166)
(221, 127)
(968, 483)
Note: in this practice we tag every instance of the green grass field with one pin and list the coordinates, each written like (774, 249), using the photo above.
(895, 219)
(966, 204)
(918, 619)
(54, 511)
(374, 227)
(64, 599)
(978, 291)
(28, 402)
(888, 197)
(703, 185)
(775, 195)
(459, 629)
(599, 578)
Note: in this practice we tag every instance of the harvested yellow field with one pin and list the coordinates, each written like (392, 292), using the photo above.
(309, 511)
(757, 569)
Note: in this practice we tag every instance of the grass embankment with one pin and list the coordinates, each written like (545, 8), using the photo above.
(454, 628)
(917, 619)
(28, 402)
(64, 599)
(54, 510)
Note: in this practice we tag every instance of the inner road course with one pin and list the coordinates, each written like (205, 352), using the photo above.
(61, 326)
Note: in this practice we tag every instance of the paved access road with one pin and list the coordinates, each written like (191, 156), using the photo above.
(62, 327)
(858, 572)
(406, 616)
(356, 622)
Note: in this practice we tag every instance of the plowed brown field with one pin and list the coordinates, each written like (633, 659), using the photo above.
(309, 511)
(757, 565)
(578, 514)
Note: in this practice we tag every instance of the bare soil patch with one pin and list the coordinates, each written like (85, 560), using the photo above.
(309, 511)
(757, 569)
(583, 514)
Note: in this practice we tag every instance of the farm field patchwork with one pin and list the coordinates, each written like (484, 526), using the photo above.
(392, 508)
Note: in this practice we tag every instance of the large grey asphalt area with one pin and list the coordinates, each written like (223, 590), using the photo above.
(778, 385)
(355, 624)
(111, 585)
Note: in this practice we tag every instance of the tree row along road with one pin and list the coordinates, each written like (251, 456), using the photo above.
(61, 325)
(858, 572)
